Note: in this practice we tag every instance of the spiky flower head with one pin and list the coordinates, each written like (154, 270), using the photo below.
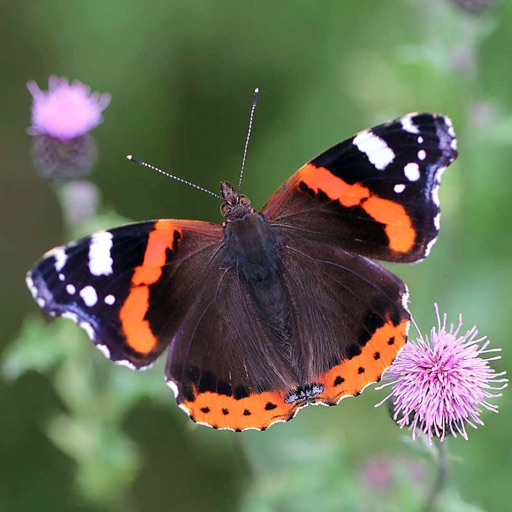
(442, 382)
(67, 110)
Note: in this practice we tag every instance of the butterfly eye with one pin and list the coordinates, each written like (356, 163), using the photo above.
(223, 209)
(244, 198)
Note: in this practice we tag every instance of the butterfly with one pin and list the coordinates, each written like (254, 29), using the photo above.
(275, 309)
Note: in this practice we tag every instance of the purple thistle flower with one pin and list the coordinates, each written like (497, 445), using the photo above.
(66, 111)
(62, 117)
(440, 384)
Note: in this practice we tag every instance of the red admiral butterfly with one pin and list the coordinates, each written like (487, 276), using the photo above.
(273, 310)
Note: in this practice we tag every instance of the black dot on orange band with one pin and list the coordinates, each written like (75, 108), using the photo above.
(376, 355)
(206, 410)
(270, 406)
(238, 430)
(360, 370)
(225, 412)
(338, 380)
(391, 340)
(247, 412)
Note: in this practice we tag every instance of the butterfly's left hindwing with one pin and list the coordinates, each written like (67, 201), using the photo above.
(110, 284)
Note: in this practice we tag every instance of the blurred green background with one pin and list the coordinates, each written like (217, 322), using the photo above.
(78, 433)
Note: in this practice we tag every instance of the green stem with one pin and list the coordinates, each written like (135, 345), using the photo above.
(441, 476)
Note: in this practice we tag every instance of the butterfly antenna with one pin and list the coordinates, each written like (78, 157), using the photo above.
(253, 108)
(181, 180)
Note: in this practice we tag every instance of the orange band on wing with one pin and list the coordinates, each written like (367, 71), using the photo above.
(353, 375)
(398, 224)
(319, 178)
(261, 410)
(257, 411)
(136, 328)
(393, 216)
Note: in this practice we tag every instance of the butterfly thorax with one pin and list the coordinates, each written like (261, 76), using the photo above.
(249, 240)
(250, 245)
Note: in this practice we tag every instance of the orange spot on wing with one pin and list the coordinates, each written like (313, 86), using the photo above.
(136, 328)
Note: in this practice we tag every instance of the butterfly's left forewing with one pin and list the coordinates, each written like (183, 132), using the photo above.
(375, 194)
(120, 285)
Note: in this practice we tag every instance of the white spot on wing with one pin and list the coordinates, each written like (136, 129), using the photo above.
(31, 287)
(375, 148)
(70, 289)
(412, 171)
(100, 260)
(435, 194)
(408, 125)
(174, 388)
(429, 246)
(422, 154)
(124, 362)
(61, 277)
(88, 329)
(437, 221)
(399, 188)
(435, 188)
(41, 302)
(60, 258)
(89, 295)
(104, 350)
(405, 299)
(420, 140)
(185, 409)
(70, 316)
(109, 300)
(449, 125)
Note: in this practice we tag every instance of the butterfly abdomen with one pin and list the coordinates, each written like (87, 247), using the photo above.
(253, 248)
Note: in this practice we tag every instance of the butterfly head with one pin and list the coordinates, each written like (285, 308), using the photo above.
(235, 206)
